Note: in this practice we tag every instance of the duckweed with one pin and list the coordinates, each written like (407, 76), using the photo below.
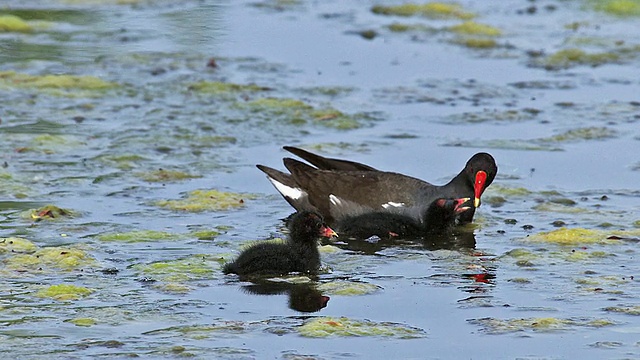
(64, 292)
(207, 200)
(432, 10)
(330, 326)
(61, 258)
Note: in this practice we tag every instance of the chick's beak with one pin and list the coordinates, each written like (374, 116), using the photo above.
(327, 232)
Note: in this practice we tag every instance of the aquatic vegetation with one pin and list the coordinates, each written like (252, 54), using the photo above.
(567, 58)
(61, 85)
(140, 236)
(587, 133)
(207, 200)
(622, 8)
(220, 88)
(330, 326)
(192, 268)
(51, 259)
(11, 23)
(49, 212)
(629, 310)
(546, 324)
(432, 10)
(474, 28)
(64, 292)
(571, 236)
(16, 245)
(402, 27)
(86, 322)
(122, 161)
(297, 112)
(476, 43)
(347, 288)
(163, 175)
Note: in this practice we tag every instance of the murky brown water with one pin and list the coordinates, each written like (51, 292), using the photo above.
(551, 91)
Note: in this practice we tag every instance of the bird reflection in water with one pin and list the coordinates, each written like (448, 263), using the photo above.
(302, 297)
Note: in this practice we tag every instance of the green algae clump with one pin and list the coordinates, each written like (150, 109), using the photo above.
(567, 58)
(162, 175)
(629, 310)
(85, 322)
(139, 236)
(431, 10)
(222, 88)
(566, 236)
(61, 85)
(207, 200)
(64, 292)
(587, 133)
(62, 258)
(195, 267)
(330, 326)
(476, 43)
(12, 23)
(347, 288)
(49, 212)
(622, 8)
(16, 245)
(474, 28)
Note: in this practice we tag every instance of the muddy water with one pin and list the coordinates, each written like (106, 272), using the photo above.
(549, 269)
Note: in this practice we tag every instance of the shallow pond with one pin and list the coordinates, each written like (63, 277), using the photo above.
(130, 130)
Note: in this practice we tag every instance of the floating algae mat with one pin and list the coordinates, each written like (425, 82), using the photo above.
(329, 326)
(64, 292)
(207, 200)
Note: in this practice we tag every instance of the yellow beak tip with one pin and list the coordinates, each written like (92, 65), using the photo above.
(476, 202)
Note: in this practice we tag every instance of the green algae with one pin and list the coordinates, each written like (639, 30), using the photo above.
(621, 8)
(222, 88)
(122, 161)
(48, 212)
(163, 175)
(629, 310)
(12, 187)
(549, 206)
(84, 322)
(61, 85)
(476, 43)
(139, 236)
(474, 28)
(402, 27)
(207, 200)
(508, 191)
(16, 245)
(539, 324)
(202, 332)
(431, 10)
(347, 288)
(329, 326)
(587, 133)
(192, 268)
(297, 112)
(64, 292)
(205, 234)
(571, 236)
(51, 258)
(567, 58)
(12, 23)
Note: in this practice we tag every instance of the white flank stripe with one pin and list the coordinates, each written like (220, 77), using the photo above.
(288, 191)
(391, 203)
(335, 200)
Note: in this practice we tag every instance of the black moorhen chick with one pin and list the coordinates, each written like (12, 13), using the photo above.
(298, 254)
(339, 189)
(440, 216)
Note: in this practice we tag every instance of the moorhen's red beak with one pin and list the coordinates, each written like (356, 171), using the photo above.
(478, 187)
(327, 232)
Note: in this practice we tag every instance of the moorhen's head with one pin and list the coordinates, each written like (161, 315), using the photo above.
(307, 226)
(480, 171)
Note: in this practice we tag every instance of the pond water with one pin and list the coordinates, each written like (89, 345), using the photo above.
(130, 131)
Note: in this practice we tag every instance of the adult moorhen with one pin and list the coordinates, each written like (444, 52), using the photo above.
(298, 254)
(340, 189)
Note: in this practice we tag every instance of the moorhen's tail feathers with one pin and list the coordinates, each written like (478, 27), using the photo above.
(328, 163)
